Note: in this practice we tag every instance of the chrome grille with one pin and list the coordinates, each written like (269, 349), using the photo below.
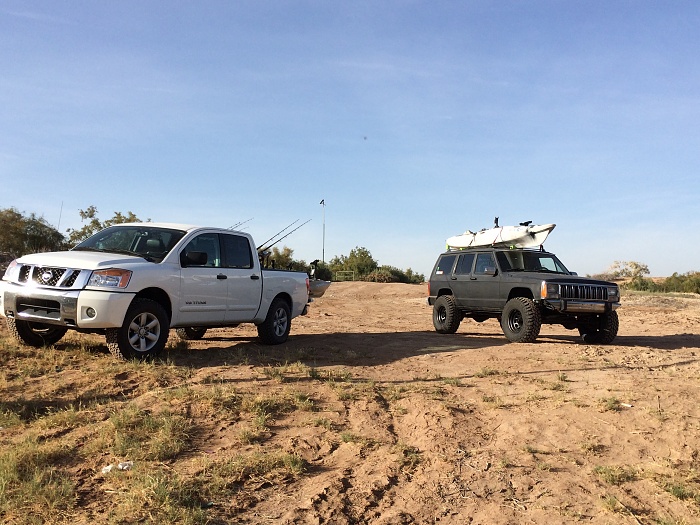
(586, 292)
(48, 276)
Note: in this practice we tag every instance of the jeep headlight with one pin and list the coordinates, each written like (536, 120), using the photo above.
(549, 290)
(613, 293)
(112, 278)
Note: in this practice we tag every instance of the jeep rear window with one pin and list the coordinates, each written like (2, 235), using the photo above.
(445, 264)
(464, 266)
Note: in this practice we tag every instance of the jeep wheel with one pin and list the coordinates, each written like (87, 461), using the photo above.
(274, 330)
(600, 329)
(446, 316)
(193, 333)
(143, 334)
(35, 334)
(521, 320)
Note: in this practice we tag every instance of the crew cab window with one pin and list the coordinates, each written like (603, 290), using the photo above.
(484, 261)
(465, 263)
(445, 265)
(237, 251)
(207, 243)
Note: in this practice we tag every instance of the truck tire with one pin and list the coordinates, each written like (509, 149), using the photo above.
(446, 315)
(521, 320)
(34, 334)
(143, 334)
(600, 329)
(274, 330)
(192, 333)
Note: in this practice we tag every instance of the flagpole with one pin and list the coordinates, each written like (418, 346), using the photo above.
(323, 253)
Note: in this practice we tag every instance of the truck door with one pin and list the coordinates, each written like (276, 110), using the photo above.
(244, 279)
(203, 285)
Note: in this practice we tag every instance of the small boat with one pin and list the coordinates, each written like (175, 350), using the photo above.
(526, 235)
(317, 287)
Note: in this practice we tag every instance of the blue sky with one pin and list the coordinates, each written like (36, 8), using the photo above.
(414, 121)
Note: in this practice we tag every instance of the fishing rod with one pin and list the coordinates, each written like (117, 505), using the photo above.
(284, 236)
(239, 224)
(276, 234)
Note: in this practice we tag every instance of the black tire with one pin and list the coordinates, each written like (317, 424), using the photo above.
(34, 334)
(446, 315)
(521, 320)
(274, 330)
(143, 334)
(600, 329)
(192, 333)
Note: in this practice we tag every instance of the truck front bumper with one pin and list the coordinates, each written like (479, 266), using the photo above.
(84, 309)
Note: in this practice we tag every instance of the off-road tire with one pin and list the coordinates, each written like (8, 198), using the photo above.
(600, 329)
(144, 332)
(274, 330)
(191, 333)
(34, 334)
(446, 315)
(521, 320)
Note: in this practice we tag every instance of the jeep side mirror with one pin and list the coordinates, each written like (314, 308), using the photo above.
(490, 270)
(193, 259)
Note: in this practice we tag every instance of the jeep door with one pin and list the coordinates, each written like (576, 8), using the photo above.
(460, 280)
(484, 283)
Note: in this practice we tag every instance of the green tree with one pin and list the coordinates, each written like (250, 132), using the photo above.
(284, 259)
(94, 224)
(20, 234)
(359, 260)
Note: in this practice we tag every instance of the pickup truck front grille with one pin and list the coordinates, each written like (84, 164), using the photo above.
(586, 292)
(48, 276)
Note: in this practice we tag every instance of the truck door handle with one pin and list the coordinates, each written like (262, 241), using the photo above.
(255, 277)
(221, 276)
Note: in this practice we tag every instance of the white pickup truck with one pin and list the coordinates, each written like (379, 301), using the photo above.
(135, 281)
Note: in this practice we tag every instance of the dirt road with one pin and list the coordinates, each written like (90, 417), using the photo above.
(410, 426)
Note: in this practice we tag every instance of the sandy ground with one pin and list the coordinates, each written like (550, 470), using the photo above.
(465, 428)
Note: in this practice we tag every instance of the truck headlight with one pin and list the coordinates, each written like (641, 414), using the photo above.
(549, 290)
(613, 293)
(112, 278)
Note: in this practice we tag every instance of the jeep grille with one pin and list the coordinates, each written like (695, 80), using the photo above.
(586, 292)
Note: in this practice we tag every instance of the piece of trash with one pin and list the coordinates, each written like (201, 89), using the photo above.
(107, 469)
(626, 405)
(125, 465)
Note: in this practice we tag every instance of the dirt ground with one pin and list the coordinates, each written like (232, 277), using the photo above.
(419, 427)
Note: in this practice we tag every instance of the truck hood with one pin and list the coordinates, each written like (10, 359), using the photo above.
(82, 260)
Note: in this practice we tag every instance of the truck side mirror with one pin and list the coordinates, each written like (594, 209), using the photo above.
(193, 259)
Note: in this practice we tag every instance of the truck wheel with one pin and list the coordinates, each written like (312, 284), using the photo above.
(143, 334)
(600, 329)
(446, 316)
(521, 320)
(274, 329)
(35, 334)
(191, 333)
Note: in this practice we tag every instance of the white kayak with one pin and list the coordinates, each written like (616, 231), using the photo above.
(523, 236)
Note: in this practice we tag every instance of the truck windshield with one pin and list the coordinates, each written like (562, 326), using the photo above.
(151, 243)
(521, 261)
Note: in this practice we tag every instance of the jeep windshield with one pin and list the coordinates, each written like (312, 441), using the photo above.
(525, 261)
(151, 243)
